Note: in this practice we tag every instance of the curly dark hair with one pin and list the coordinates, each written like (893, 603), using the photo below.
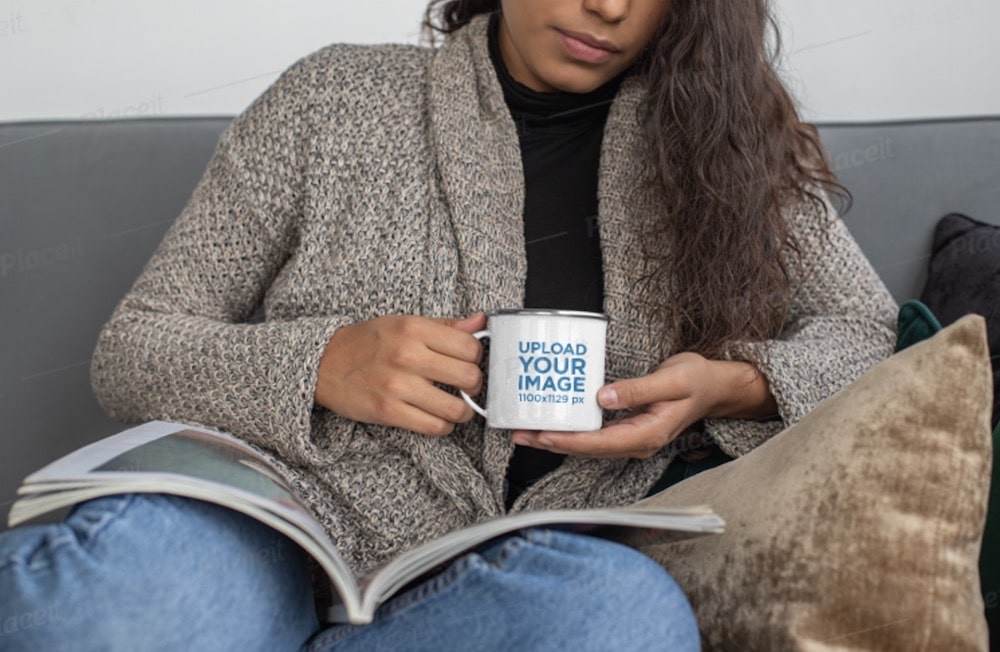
(728, 155)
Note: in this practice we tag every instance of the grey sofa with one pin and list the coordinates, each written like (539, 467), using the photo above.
(83, 204)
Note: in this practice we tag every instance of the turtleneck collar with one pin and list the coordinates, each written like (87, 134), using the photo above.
(557, 106)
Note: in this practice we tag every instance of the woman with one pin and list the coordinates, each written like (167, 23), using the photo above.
(638, 157)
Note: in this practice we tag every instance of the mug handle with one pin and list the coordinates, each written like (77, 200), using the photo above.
(465, 397)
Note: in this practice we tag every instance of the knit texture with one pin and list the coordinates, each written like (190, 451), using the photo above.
(374, 180)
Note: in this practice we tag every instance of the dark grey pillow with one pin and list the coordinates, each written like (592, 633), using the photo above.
(964, 277)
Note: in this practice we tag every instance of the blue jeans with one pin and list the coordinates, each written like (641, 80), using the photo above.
(155, 572)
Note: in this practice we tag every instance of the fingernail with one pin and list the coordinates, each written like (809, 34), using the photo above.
(607, 397)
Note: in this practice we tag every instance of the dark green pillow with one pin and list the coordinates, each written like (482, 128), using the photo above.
(915, 324)
(989, 558)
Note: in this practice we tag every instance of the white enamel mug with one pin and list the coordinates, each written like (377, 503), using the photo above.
(544, 370)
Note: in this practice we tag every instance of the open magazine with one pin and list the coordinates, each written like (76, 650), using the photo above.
(173, 458)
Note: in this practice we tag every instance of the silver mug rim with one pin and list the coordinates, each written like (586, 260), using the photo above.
(547, 312)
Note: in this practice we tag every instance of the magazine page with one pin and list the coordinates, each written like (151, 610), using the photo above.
(165, 457)
(159, 451)
(382, 583)
(138, 449)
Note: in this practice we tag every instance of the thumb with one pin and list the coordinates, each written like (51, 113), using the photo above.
(624, 394)
(471, 324)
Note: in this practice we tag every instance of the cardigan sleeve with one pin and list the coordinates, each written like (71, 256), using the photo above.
(179, 345)
(841, 322)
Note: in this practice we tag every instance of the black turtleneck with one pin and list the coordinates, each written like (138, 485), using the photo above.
(560, 136)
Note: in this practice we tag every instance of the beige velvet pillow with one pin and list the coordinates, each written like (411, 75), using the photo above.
(858, 528)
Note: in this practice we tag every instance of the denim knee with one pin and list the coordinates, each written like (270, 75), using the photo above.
(540, 590)
(607, 596)
(152, 572)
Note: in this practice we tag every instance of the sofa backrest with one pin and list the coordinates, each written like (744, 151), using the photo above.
(904, 177)
(83, 204)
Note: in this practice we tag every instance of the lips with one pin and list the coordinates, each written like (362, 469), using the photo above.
(587, 48)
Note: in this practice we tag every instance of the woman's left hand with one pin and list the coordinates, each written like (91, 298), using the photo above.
(684, 389)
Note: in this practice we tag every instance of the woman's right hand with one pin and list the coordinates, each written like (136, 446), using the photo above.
(383, 372)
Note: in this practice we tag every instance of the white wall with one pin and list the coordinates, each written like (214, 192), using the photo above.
(845, 59)
(101, 58)
(888, 59)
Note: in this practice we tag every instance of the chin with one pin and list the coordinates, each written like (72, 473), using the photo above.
(577, 82)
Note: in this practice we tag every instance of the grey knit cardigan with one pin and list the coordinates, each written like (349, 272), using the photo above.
(387, 180)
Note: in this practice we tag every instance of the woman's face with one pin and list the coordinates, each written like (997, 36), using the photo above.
(575, 45)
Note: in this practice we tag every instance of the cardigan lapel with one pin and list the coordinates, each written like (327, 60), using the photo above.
(479, 162)
(627, 207)
(480, 172)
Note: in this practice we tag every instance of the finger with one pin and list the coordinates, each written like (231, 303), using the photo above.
(420, 356)
(437, 403)
(576, 444)
(662, 385)
(451, 341)
(465, 376)
(639, 436)
(396, 413)
(474, 322)
(408, 417)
